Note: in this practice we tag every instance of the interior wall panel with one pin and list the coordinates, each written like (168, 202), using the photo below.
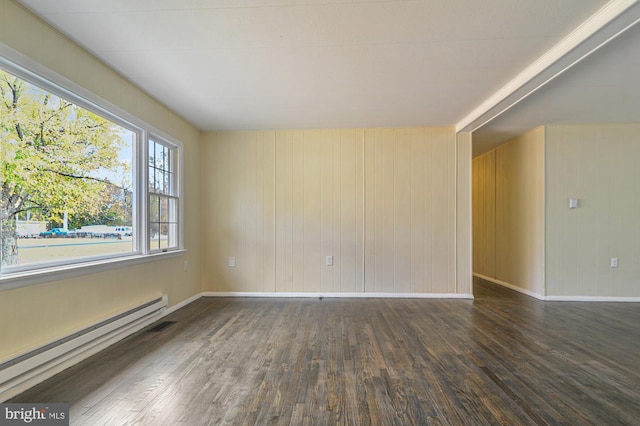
(484, 214)
(243, 199)
(319, 210)
(380, 201)
(598, 165)
(286, 200)
(520, 212)
(410, 210)
(327, 180)
(464, 214)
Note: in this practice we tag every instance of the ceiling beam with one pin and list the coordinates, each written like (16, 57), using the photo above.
(613, 19)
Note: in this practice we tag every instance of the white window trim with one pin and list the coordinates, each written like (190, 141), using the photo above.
(177, 171)
(44, 275)
(35, 73)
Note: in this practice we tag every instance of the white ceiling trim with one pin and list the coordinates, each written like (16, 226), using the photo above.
(613, 19)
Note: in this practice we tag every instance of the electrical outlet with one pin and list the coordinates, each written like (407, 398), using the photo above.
(329, 261)
(614, 262)
(232, 261)
(185, 265)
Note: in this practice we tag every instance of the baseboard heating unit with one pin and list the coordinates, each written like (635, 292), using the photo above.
(30, 368)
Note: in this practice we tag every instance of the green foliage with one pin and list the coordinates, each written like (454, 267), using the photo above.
(51, 152)
(114, 210)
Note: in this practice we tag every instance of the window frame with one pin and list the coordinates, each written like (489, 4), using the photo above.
(40, 76)
(175, 191)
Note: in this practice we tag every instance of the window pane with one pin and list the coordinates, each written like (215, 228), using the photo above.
(69, 178)
(159, 157)
(154, 236)
(162, 177)
(164, 210)
(165, 158)
(167, 184)
(173, 210)
(163, 218)
(152, 155)
(154, 208)
(172, 230)
(155, 180)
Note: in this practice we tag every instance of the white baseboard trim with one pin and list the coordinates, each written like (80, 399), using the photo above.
(591, 299)
(510, 286)
(560, 298)
(182, 304)
(341, 295)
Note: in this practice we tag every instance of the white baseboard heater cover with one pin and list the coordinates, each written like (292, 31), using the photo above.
(24, 371)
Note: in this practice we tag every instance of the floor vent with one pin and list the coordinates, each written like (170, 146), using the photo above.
(161, 326)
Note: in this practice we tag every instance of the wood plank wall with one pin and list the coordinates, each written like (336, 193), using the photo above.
(598, 164)
(410, 204)
(381, 201)
(464, 213)
(484, 214)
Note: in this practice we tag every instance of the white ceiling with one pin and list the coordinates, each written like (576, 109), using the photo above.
(273, 64)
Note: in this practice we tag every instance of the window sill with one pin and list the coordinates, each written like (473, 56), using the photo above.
(39, 276)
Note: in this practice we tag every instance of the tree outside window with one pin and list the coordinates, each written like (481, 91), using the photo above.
(64, 168)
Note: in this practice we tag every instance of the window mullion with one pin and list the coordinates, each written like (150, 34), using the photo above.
(143, 204)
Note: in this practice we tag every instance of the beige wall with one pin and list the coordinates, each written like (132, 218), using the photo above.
(381, 201)
(36, 314)
(512, 177)
(464, 217)
(598, 164)
(484, 214)
(410, 210)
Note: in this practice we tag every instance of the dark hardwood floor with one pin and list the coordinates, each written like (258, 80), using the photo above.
(503, 358)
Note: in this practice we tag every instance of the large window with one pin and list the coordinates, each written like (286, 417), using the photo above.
(72, 183)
